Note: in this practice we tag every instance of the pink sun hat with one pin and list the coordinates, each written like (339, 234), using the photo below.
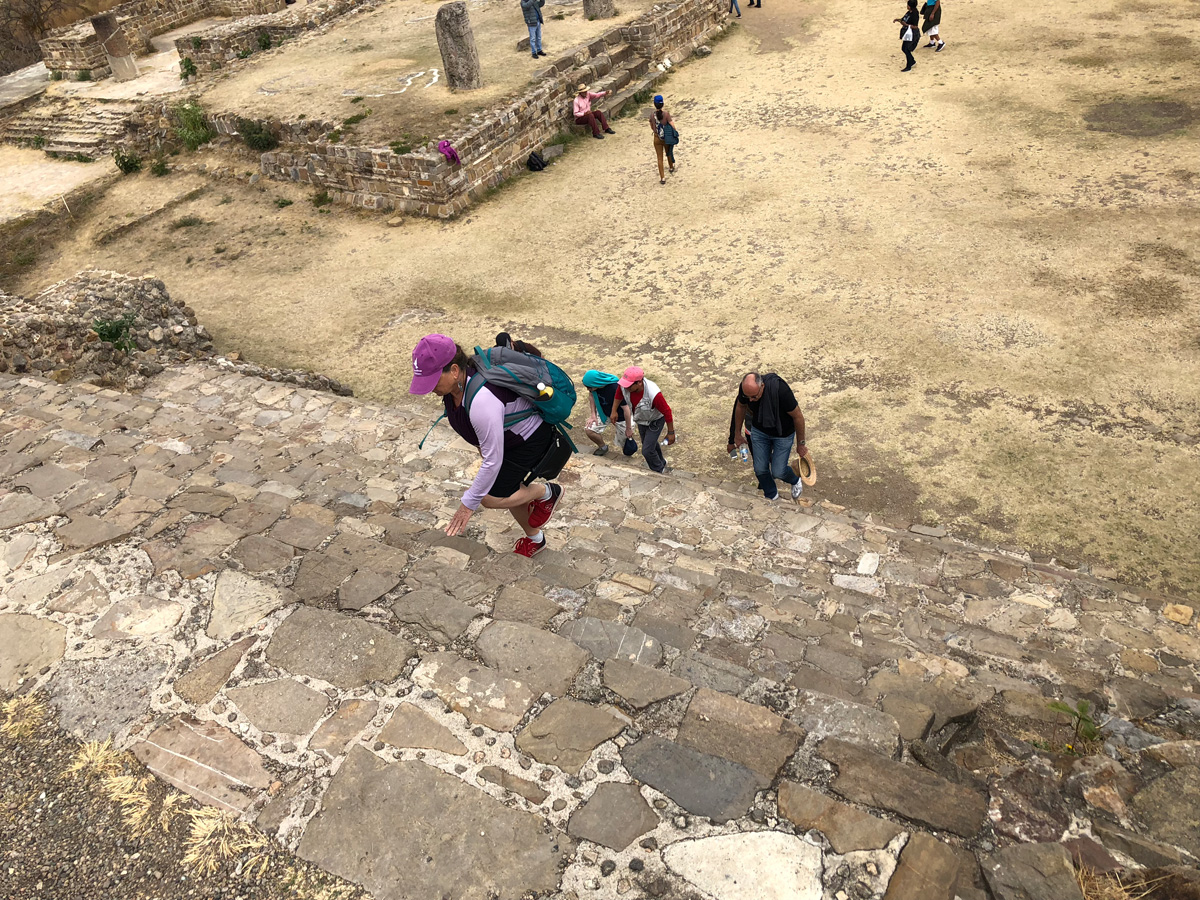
(632, 374)
(432, 354)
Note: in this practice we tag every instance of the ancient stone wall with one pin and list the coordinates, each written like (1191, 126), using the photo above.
(77, 48)
(494, 148)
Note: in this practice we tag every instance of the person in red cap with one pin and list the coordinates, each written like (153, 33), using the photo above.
(442, 367)
(650, 412)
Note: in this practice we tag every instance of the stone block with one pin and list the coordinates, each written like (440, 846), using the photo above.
(845, 827)
(721, 725)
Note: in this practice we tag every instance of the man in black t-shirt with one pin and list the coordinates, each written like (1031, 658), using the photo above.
(775, 422)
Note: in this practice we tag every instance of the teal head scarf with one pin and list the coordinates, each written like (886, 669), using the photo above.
(594, 380)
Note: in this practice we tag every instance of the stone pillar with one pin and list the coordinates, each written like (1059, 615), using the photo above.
(456, 41)
(116, 47)
(599, 9)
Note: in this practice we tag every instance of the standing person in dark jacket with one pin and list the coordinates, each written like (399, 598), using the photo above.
(932, 11)
(532, 11)
(909, 33)
(775, 421)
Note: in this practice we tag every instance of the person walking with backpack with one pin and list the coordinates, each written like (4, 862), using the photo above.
(532, 11)
(650, 413)
(909, 33)
(665, 136)
(768, 404)
(510, 453)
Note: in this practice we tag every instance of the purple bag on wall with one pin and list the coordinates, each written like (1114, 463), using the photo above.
(449, 152)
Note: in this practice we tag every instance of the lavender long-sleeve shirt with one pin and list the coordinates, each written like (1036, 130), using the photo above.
(487, 419)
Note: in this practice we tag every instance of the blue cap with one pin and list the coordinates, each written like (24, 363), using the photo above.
(658, 98)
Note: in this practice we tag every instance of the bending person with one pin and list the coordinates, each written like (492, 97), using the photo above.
(602, 393)
(442, 367)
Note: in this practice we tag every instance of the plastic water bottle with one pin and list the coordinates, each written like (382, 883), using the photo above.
(545, 392)
(664, 442)
(744, 452)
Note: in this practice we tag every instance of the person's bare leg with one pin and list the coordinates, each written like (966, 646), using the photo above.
(518, 504)
(597, 439)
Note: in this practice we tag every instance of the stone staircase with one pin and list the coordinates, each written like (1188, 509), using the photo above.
(71, 127)
(616, 69)
(692, 693)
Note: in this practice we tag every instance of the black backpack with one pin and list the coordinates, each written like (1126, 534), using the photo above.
(535, 162)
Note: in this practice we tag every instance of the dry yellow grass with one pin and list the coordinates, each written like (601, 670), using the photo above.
(22, 716)
(1097, 886)
(215, 837)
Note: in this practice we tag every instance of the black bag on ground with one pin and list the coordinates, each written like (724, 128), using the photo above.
(557, 455)
(535, 162)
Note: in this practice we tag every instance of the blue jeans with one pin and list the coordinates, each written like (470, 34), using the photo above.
(771, 461)
(535, 38)
(733, 7)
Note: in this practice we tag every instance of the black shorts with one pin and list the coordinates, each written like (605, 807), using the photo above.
(521, 459)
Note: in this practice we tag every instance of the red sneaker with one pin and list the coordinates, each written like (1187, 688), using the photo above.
(540, 511)
(528, 547)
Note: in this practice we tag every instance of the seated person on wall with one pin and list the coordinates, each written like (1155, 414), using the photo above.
(585, 115)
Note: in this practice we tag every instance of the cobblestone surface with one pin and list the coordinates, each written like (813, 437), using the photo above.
(225, 555)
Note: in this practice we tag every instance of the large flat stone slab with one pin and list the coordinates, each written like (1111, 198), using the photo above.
(21, 509)
(411, 726)
(763, 865)
(201, 684)
(612, 640)
(1032, 872)
(86, 532)
(477, 691)
(405, 830)
(845, 827)
(439, 614)
(465, 587)
(99, 698)
(746, 733)
(205, 760)
(703, 785)
(510, 782)
(707, 671)
(517, 605)
(640, 685)
(824, 716)
(566, 733)
(1170, 809)
(543, 661)
(136, 617)
(352, 716)
(27, 645)
(283, 705)
(241, 601)
(929, 870)
(614, 816)
(346, 652)
(873, 780)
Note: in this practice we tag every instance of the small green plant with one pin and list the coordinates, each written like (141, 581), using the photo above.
(321, 198)
(159, 167)
(191, 125)
(116, 331)
(245, 54)
(224, 200)
(1081, 719)
(282, 202)
(197, 43)
(452, 112)
(264, 40)
(56, 75)
(400, 147)
(187, 222)
(335, 135)
(37, 142)
(127, 161)
(256, 135)
(83, 75)
(187, 68)
(356, 118)
(357, 99)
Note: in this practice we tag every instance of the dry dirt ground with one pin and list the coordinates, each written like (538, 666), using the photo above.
(982, 278)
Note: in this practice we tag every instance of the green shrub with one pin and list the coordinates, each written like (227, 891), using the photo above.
(187, 68)
(256, 135)
(196, 42)
(264, 40)
(282, 202)
(83, 75)
(56, 75)
(191, 125)
(127, 161)
(187, 222)
(356, 118)
(335, 135)
(452, 112)
(321, 198)
(357, 99)
(159, 167)
(37, 142)
(245, 54)
(116, 331)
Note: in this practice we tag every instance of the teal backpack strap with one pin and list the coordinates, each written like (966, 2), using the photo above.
(430, 431)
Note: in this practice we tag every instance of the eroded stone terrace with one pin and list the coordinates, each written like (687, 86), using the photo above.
(246, 584)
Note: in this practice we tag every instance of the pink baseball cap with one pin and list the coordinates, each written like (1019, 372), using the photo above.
(632, 374)
(432, 354)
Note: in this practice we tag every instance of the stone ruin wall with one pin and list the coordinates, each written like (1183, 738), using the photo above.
(54, 335)
(212, 48)
(493, 149)
(77, 48)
